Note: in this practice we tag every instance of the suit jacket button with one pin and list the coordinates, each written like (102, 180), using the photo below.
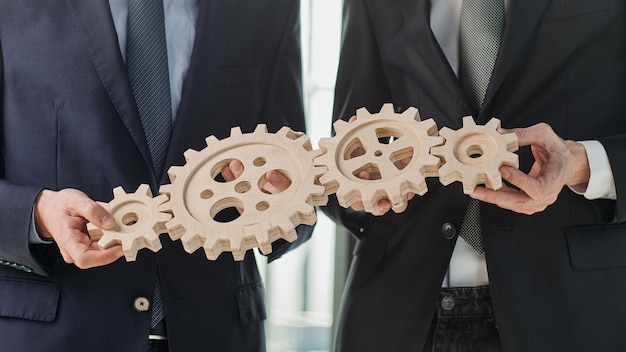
(448, 231)
(141, 304)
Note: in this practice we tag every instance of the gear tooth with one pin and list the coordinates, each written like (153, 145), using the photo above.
(175, 229)
(437, 151)
(212, 248)
(236, 131)
(262, 128)
(94, 231)
(286, 229)
(144, 190)
(211, 141)
(412, 113)
(370, 197)
(511, 159)
(387, 109)
(108, 240)
(493, 179)
(447, 175)
(510, 139)
(446, 133)
(173, 172)
(118, 192)
(341, 126)
(363, 113)
(468, 122)
(190, 154)
(166, 190)
(430, 126)
(468, 187)
(493, 124)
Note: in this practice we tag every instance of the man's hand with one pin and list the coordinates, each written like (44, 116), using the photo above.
(558, 163)
(63, 216)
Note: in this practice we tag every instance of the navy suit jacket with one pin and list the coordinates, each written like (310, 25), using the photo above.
(556, 277)
(68, 119)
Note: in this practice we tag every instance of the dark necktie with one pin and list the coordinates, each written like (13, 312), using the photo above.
(480, 34)
(146, 62)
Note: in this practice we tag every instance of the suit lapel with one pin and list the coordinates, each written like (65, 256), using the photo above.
(212, 29)
(523, 17)
(93, 20)
(417, 18)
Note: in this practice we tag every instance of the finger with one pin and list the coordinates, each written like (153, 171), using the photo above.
(236, 166)
(276, 182)
(93, 212)
(537, 134)
(358, 205)
(506, 198)
(352, 119)
(531, 186)
(84, 253)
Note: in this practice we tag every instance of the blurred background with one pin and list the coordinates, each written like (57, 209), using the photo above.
(304, 286)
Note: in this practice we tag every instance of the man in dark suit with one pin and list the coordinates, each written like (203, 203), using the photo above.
(552, 281)
(71, 132)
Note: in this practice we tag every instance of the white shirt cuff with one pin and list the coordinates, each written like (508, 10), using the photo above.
(601, 183)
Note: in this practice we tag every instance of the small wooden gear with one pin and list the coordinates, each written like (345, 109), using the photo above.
(474, 154)
(379, 144)
(197, 196)
(138, 222)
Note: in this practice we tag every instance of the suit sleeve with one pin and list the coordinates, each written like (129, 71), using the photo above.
(15, 210)
(360, 83)
(284, 102)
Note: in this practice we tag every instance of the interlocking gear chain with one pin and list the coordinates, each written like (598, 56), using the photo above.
(384, 155)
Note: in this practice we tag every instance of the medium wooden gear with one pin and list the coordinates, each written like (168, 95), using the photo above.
(197, 196)
(378, 144)
(474, 154)
(138, 222)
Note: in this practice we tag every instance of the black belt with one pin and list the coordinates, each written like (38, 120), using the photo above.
(159, 332)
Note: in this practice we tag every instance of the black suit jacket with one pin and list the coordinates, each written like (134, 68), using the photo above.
(69, 120)
(557, 277)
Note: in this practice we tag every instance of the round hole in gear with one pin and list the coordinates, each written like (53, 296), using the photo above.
(243, 187)
(475, 151)
(262, 205)
(216, 171)
(130, 219)
(227, 210)
(260, 161)
(263, 181)
(206, 194)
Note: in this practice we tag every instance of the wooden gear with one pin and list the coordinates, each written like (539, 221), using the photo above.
(410, 138)
(196, 196)
(138, 222)
(474, 154)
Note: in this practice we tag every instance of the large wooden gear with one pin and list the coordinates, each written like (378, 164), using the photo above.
(474, 154)
(382, 142)
(138, 222)
(196, 196)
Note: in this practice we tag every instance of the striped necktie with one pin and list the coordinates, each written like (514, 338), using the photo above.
(480, 35)
(146, 62)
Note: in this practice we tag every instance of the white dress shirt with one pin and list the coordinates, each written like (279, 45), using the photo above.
(468, 267)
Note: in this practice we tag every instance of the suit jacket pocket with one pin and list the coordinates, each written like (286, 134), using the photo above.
(597, 247)
(236, 77)
(561, 9)
(29, 299)
(251, 303)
